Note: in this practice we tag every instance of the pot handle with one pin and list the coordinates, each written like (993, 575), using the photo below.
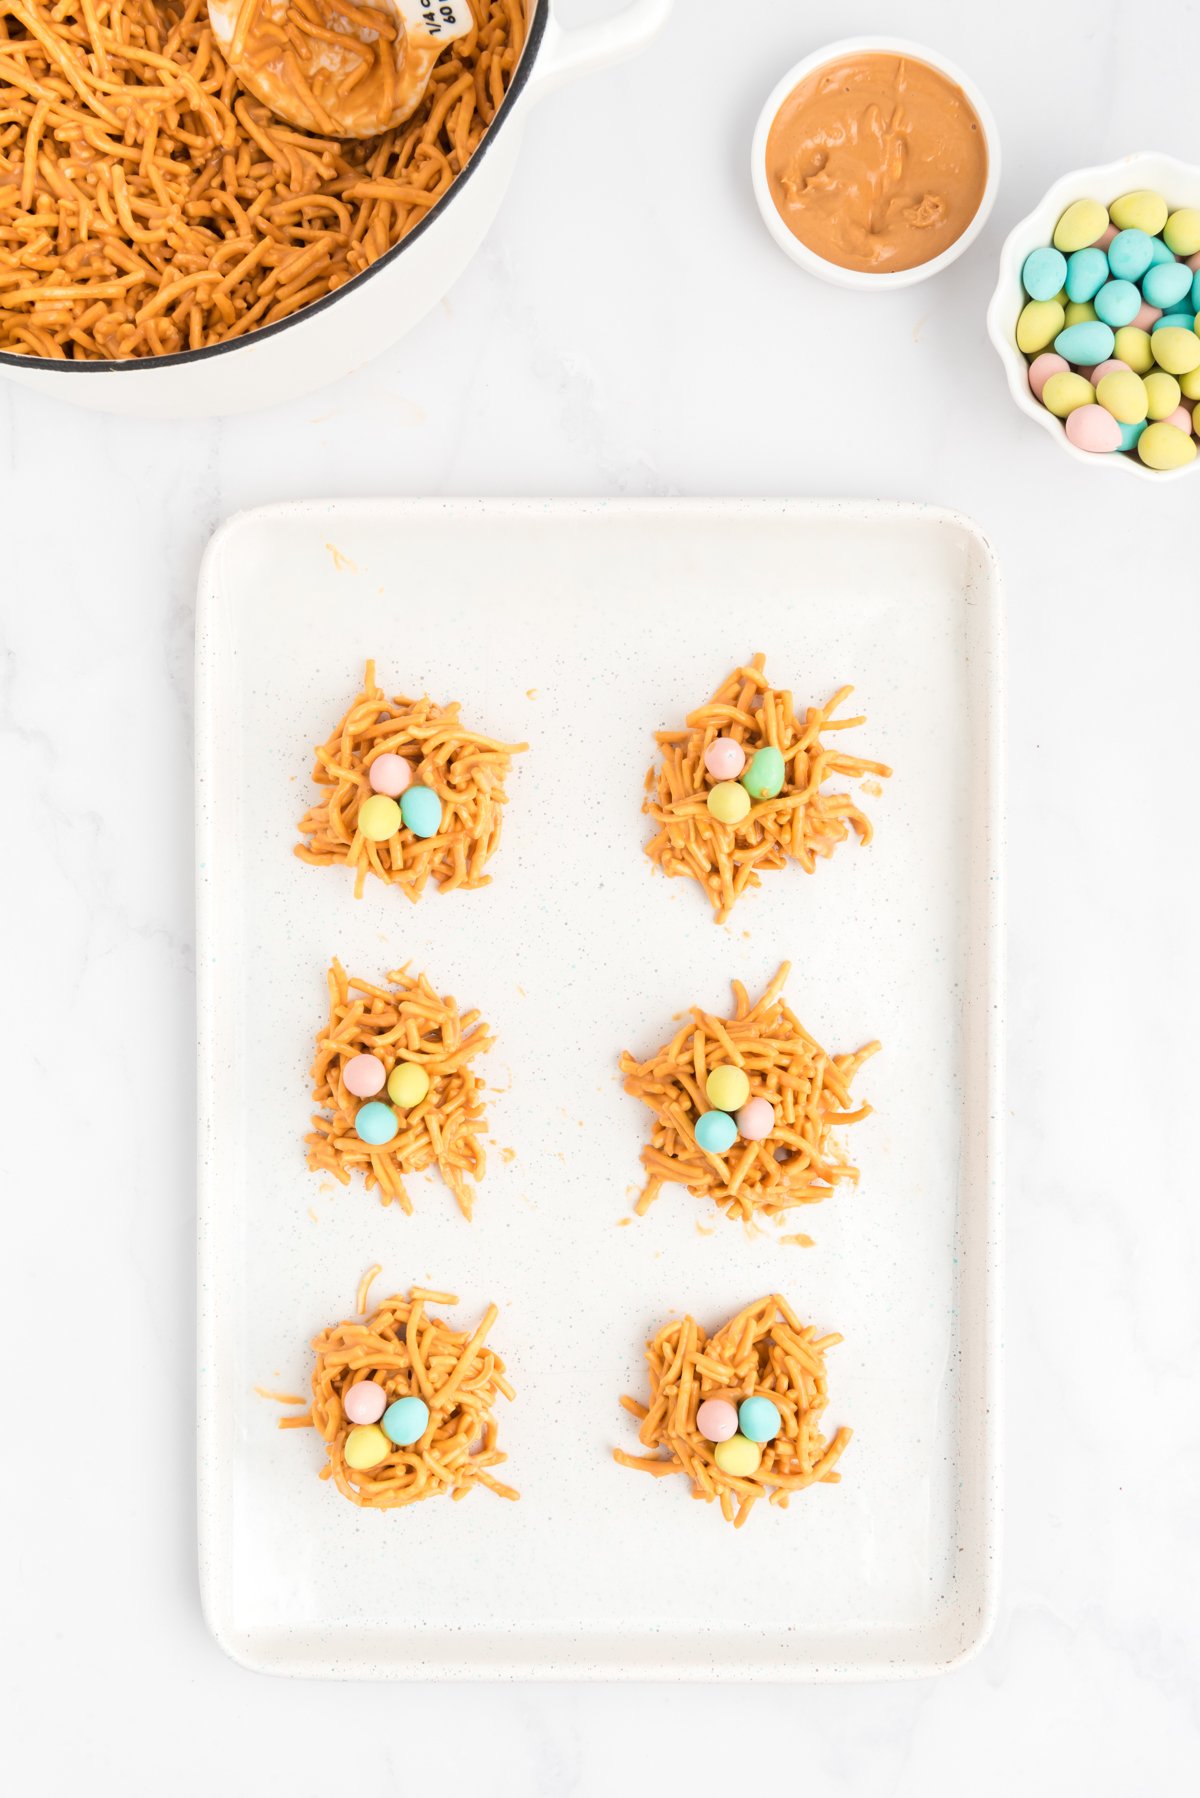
(567, 53)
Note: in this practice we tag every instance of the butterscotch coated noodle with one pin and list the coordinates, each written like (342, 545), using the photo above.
(808, 1088)
(764, 1351)
(465, 770)
(150, 204)
(407, 1021)
(802, 823)
(409, 1351)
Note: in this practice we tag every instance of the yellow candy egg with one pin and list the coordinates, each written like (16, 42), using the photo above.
(366, 1446)
(738, 1456)
(1039, 324)
(1189, 385)
(1080, 312)
(1175, 349)
(1080, 225)
(1166, 446)
(729, 801)
(379, 818)
(1163, 394)
(727, 1089)
(407, 1084)
(1064, 393)
(1124, 395)
(1181, 233)
(1132, 347)
(1142, 210)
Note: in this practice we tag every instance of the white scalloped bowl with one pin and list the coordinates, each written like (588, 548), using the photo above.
(1179, 184)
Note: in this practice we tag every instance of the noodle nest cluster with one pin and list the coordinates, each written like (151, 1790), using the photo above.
(764, 1351)
(406, 1022)
(466, 771)
(405, 1349)
(807, 1088)
(150, 204)
(799, 823)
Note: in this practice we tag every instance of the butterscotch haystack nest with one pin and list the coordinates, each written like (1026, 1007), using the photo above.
(406, 1022)
(800, 822)
(764, 1352)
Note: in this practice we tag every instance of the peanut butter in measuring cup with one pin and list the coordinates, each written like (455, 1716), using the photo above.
(877, 162)
(334, 67)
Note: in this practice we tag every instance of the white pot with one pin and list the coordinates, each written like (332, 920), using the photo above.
(337, 334)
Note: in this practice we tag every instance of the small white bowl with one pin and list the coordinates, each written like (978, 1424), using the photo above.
(1179, 185)
(790, 244)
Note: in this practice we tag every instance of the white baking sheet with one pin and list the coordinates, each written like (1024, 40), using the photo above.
(583, 627)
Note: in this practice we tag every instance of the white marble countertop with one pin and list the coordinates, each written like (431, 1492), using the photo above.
(625, 336)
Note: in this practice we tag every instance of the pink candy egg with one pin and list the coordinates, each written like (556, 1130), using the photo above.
(1042, 367)
(1103, 241)
(755, 1120)
(717, 1420)
(1193, 262)
(1145, 316)
(724, 760)
(389, 774)
(1101, 369)
(364, 1402)
(364, 1076)
(1093, 429)
(1181, 418)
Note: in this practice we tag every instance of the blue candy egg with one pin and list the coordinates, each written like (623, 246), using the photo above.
(1118, 303)
(1087, 271)
(1043, 273)
(1086, 344)
(1130, 434)
(759, 1419)
(1166, 283)
(1159, 252)
(376, 1123)
(716, 1132)
(1196, 290)
(1173, 320)
(421, 810)
(1130, 254)
(405, 1421)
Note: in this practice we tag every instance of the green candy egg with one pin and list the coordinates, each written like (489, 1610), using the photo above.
(764, 777)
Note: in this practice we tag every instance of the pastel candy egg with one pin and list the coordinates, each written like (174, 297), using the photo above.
(1042, 367)
(389, 774)
(1080, 225)
(1087, 271)
(1142, 210)
(1176, 350)
(1181, 233)
(1181, 418)
(366, 1447)
(1130, 254)
(1196, 288)
(1104, 368)
(1043, 273)
(1130, 435)
(376, 1124)
(728, 801)
(1133, 348)
(1145, 316)
(1124, 395)
(421, 810)
(1164, 446)
(1189, 384)
(1160, 252)
(1166, 285)
(1084, 344)
(759, 1419)
(407, 1084)
(755, 1120)
(717, 1420)
(1063, 393)
(364, 1076)
(1118, 303)
(1039, 324)
(738, 1457)
(727, 1088)
(405, 1421)
(1106, 236)
(1193, 262)
(724, 758)
(364, 1402)
(378, 818)
(764, 777)
(1079, 312)
(1163, 394)
(715, 1132)
(1093, 429)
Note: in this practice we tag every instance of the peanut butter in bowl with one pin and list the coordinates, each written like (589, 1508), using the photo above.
(873, 164)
